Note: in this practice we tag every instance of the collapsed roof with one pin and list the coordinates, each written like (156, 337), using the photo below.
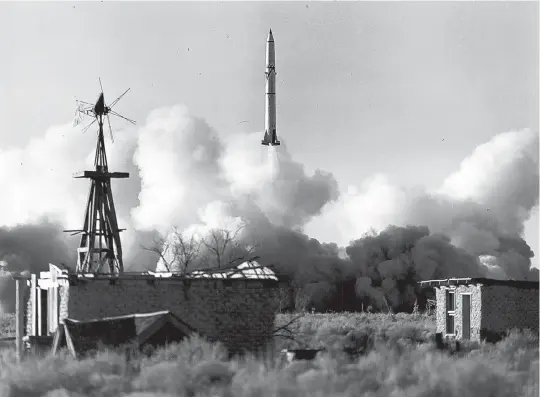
(246, 270)
(249, 269)
(135, 330)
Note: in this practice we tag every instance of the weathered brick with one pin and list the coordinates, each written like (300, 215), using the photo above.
(240, 314)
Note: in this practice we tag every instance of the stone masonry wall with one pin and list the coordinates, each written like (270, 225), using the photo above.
(476, 310)
(28, 312)
(475, 292)
(240, 314)
(440, 297)
(507, 307)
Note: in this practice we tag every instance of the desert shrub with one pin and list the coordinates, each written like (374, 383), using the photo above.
(400, 360)
(101, 375)
(171, 377)
(359, 331)
(191, 350)
(7, 324)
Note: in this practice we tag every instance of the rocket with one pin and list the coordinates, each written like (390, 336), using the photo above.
(270, 135)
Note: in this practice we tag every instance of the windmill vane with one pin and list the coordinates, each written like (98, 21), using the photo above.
(97, 111)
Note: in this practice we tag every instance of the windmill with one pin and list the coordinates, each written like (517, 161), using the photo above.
(100, 244)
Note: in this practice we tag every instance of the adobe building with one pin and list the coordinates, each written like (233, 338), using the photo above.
(484, 309)
(236, 308)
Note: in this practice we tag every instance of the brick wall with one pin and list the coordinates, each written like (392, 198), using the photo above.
(507, 307)
(240, 314)
(476, 310)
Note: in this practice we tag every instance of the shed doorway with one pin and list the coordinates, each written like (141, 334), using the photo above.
(466, 316)
(43, 313)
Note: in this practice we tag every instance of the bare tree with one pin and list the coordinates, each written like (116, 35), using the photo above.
(285, 298)
(301, 299)
(221, 249)
(224, 249)
(177, 252)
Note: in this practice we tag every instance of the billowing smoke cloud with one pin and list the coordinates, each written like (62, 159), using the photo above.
(277, 184)
(389, 264)
(502, 176)
(184, 167)
(31, 247)
(184, 175)
(481, 208)
(177, 156)
(196, 182)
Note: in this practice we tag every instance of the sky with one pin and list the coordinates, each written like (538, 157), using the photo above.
(404, 89)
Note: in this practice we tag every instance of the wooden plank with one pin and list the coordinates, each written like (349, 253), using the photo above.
(33, 290)
(101, 175)
(85, 232)
(58, 335)
(20, 308)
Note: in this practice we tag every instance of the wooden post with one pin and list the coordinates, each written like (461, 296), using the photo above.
(33, 300)
(20, 308)
(39, 312)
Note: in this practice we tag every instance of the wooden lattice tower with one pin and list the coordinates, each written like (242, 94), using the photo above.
(100, 248)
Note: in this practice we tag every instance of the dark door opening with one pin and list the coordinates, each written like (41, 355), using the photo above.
(44, 313)
(466, 316)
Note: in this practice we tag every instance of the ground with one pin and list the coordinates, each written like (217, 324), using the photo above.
(399, 360)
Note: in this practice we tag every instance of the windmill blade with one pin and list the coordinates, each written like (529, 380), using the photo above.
(80, 107)
(88, 111)
(83, 102)
(110, 129)
(122, 117)
(77, 120)
(117, 99)
(88, 126)
(100, 85)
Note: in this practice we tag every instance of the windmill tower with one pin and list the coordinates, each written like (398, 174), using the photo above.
(100, 246)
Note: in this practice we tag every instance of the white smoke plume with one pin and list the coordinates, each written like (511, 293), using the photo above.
(182, 173)
(177, 156)
(190, 176)
(276, 183)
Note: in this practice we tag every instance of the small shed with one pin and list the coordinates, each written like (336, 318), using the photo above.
(484, 309)
(135, 331)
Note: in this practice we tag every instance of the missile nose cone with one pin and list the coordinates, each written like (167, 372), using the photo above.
(270, 36)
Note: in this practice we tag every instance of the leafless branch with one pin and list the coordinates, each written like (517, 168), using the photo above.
(224, 246)
(157, 248)
(183, 251)
(286, 326)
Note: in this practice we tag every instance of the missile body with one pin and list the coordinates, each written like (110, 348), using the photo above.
(270, 135)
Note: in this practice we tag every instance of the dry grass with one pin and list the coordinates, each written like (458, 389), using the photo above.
(402, 363)
(7, 325)
(339, 330)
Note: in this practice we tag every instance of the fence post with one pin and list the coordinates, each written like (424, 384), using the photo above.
(19, 317)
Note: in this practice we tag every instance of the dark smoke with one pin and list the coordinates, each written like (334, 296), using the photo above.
(31, 248)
